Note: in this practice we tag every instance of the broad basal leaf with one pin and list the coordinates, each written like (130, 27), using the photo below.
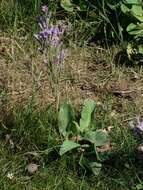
(135, 29)
(135, 11)
(133, 2)
(89, 106)
(67, 146)
(99, 138)
(102, 138)
(76, 127)
(67, 5)
(94, 167)
(66, 115)
(125, 9)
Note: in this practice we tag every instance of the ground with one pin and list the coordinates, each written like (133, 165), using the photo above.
(88, 72)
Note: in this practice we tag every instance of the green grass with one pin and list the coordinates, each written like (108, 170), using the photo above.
(34, 138)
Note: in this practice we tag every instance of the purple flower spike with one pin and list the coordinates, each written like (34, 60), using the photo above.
(50, 38)
(44, 8)
(43, 35)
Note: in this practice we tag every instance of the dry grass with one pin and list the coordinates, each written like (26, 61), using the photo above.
(88, 72)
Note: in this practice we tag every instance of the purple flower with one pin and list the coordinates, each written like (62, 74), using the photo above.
(50, 37)
(55, 30)
(44, 34)
(44, 8)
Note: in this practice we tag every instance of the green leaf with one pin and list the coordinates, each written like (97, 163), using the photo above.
(102, 138)
(67, 146)
(133, 2)
(89, 107)
(135, 11)
(139, 186)
(135, 29)
(66, 116)
(94, 167)
(99, 138)
(67, 5)
(76, 127)
(125, 9)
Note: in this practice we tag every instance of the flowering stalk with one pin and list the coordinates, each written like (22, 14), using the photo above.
(51, 46)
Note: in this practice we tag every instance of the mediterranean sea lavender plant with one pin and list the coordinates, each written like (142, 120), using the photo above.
(50, 38)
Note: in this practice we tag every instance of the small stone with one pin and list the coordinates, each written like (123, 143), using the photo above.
(32, 168)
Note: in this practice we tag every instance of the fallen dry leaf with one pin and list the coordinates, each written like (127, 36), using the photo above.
(105, 148)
